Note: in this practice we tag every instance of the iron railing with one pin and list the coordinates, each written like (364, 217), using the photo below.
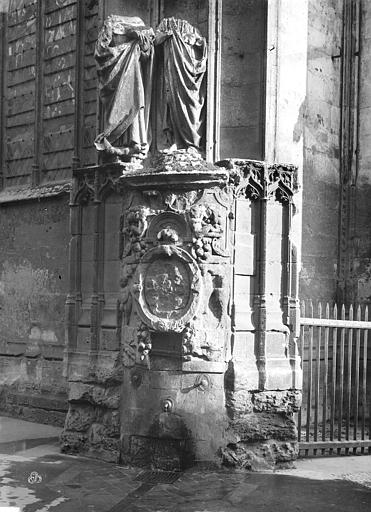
(335, 415)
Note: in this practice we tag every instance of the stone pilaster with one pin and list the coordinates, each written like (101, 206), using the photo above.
(263, 378)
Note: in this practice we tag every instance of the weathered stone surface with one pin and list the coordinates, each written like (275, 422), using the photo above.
(259, 456)
(287, 401)
(95, 394)
(73, 442)
(79, 418)
(47, 402)
(238, 402)
(97, 434)
(241, 80)
(33, 278)
(45, 416)
(111, 422)
(166, 454)
(107, 369)
(29, 405)
(254, 427)
(92, 430)
(169, 426)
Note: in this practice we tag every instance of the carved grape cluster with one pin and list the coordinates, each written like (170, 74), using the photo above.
(144, 341)
(139, 248)
(202, 248)
(207, 226)
(187, 342)
(135, 229)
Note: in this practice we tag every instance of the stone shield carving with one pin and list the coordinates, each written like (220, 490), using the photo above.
(167, 288)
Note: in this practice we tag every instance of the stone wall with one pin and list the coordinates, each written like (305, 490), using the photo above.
(361, 242)
(33, 284)
(45, 96)
(242, 81)
(336, 184)
(92, 424)
(262, 432)
(321, 168)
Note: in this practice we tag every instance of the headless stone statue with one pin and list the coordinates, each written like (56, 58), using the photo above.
(129, 79)
(124, 56)
(181, 55)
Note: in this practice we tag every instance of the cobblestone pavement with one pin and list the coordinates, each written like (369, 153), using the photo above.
(35, 477)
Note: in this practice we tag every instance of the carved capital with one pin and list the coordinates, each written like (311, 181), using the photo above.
(281, 182)
(254, 179)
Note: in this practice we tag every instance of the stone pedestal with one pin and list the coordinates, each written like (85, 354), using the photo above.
(182, 315)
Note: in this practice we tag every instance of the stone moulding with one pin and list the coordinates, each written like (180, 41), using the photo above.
(253, 179)
(26, 193)
(93, 183)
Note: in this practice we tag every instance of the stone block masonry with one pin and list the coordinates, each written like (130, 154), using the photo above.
(193, 273)
(33, 283)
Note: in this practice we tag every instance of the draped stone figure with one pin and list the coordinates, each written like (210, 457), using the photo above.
(135, 66)
(181, 56)
(124, 56)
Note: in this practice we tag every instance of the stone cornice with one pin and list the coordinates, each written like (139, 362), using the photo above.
(27, 193)
(95, 182)
(252, 179)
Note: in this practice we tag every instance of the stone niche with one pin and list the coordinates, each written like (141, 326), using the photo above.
(182, 313)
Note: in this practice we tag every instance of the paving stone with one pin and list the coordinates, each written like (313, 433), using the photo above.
(75, 483)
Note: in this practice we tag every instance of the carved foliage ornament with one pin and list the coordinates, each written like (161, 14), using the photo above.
(259, 180)
(207, 227)
(160, 278)
(135, 230)
(95, 183)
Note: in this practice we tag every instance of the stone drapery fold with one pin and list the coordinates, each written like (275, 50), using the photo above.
(124, 56)
(181, 57)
